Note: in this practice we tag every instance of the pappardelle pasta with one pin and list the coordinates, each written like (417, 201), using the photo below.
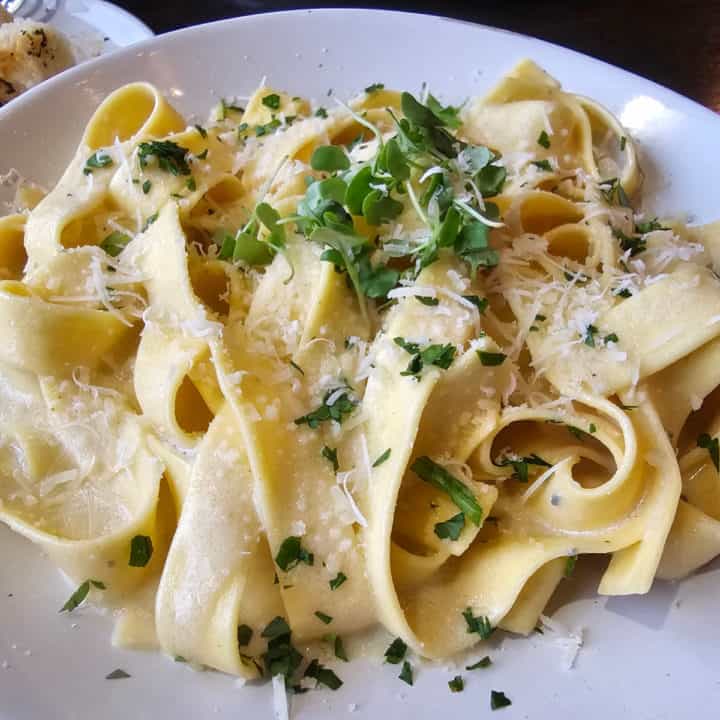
(300, 371)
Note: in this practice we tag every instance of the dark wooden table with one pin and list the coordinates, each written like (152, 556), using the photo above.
(674, 43)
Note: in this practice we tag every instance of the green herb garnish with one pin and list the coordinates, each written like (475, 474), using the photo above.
(712, 445)
(80, 594)
(482, 663)
(330, 454)
(520, 465)
(457, 684)
(441, 356)
(327, 619)
(141, 550)
(374, 88)
(395, 652)
(480, 625)
(341, 407)
(498, 700)
(118, 674)
(324, 676)
(337, 581)
(543, 165)
(382, 458)
(543, 140)
(271, 101)
(589, 337)
(491, 359)
(429, 471)
(98, 159)
(115, 243)
(329, 158)
(291, 553)
(406, 674)
(170, 156)
(244, 635)
(450, 529)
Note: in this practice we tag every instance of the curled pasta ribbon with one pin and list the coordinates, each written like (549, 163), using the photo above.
(85, 483)
(628, 514)
(63, 218)
(404, 555)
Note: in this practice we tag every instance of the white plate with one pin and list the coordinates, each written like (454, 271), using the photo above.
(96, 27)
(648, 657)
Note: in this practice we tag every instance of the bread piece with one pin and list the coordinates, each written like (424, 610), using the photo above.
(30, 52)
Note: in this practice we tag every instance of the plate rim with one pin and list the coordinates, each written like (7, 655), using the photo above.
(77, 72)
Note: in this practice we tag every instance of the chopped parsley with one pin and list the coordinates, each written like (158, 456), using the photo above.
(480, 625)
(480, 303)
(98, 159)
(191, 185)
(457, 684)
(396, 651)
(330, 454)
(570, 565)
(244, 635)
(268, 128)
(375, 87)
(649, 226)
(589, 337)
(141, 550)
(321, 112)
(341, 407)
(339, 649)
(543, 165)
(499, 700)
(146, 187)
(614, 192)
(337, 581)
(291, 553)
(623, 143)
(202, 155)
(201, 130)
(324, 676)
(634, 244)
(429, 301)
(485, 662)
(170, 156)
(327, 619)
(406, 674)
(118, 674)
(543, 140)
(272, 101)
(520, 465)
(450, 529)
(115, 243)
(712, 445)
(576, 432)
(491, 359)
(441, 356)
(437, 476)
(382, 458)
(80, 594)
(281, 657)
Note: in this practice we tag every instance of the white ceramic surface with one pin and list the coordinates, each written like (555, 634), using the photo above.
(96, 27)
(654, 657)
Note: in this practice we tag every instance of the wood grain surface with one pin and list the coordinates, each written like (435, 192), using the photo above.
(674, 43)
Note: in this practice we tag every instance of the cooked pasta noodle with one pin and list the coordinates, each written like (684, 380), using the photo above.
(300, 370)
